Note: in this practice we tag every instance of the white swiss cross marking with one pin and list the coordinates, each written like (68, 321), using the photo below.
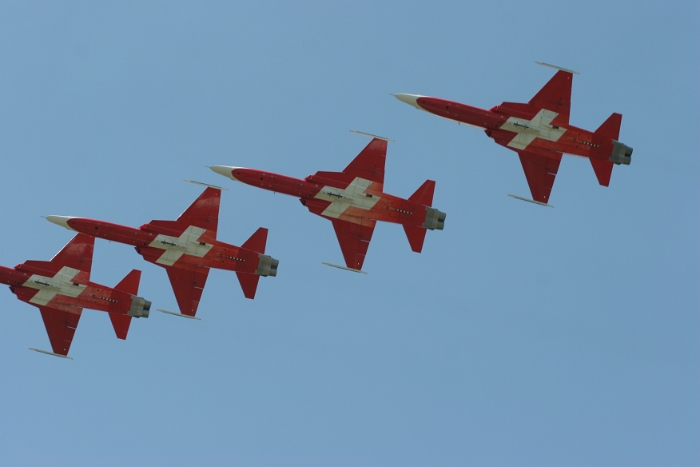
(187, 243)
(527, 130)
(353, 195)
(49, 287)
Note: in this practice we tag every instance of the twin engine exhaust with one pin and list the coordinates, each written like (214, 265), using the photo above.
(267, 266)
(140, 308)
(434, 219)
(621, 154)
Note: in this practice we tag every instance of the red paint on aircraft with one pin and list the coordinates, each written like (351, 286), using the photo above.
(353, 200)
(61, 288)
(187, 248)
(539, 131)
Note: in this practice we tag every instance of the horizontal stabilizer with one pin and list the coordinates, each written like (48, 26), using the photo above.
(120, 323)
(257, 241)
(249, 283)
(603, 170)
(416, 237)
(610, 127)
(130, 283)
(424, 194)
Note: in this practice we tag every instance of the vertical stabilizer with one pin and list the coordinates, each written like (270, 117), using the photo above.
(611, 127)
(121, 324)
(249, 283)
(603, 170)
(424, 194)
(416, 237)
(130, 283)
(257, 241)
(609, 130)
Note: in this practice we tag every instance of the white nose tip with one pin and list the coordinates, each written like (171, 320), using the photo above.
(225, 170)
(410, 99)
(61, 220)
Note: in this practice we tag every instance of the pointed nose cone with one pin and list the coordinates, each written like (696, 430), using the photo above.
(61, 220)
(225, 170)
(410, 99)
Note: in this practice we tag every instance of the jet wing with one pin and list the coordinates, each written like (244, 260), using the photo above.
(60, 325)
(369, 164)
(354, 240)
(188, 284)
(556, 96)
(77, 254)
(202, 213)
(540, 172)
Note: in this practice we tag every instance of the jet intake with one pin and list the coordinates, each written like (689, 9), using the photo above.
(140, 308)
(267, 266)
(621, 154)
(434, 219)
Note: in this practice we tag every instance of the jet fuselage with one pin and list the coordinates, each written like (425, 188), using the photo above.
(67, 289)
(164, 243)
(351, 198)
(520, 128)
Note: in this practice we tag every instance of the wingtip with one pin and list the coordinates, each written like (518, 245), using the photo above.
(530, 200)
(360, 271)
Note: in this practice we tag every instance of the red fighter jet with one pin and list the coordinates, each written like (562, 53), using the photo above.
(539, 132)
(354, 200)
(187, 248)
(61, 288)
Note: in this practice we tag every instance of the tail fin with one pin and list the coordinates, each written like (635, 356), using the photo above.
(603, 170)
(257, 241)
(424, 194)
(130, 285)
(416, 237)
(120, 323)
(611, 127)
(249, 283)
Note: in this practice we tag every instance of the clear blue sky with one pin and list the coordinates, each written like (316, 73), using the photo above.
(520, 336)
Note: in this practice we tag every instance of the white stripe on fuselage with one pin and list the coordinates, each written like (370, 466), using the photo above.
(527, 130)
(341, 199)
(48, 287)
(187, 243)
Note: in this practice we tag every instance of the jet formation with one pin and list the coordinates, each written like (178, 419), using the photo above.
(539, 132)
(353, 200)
(187, 248)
